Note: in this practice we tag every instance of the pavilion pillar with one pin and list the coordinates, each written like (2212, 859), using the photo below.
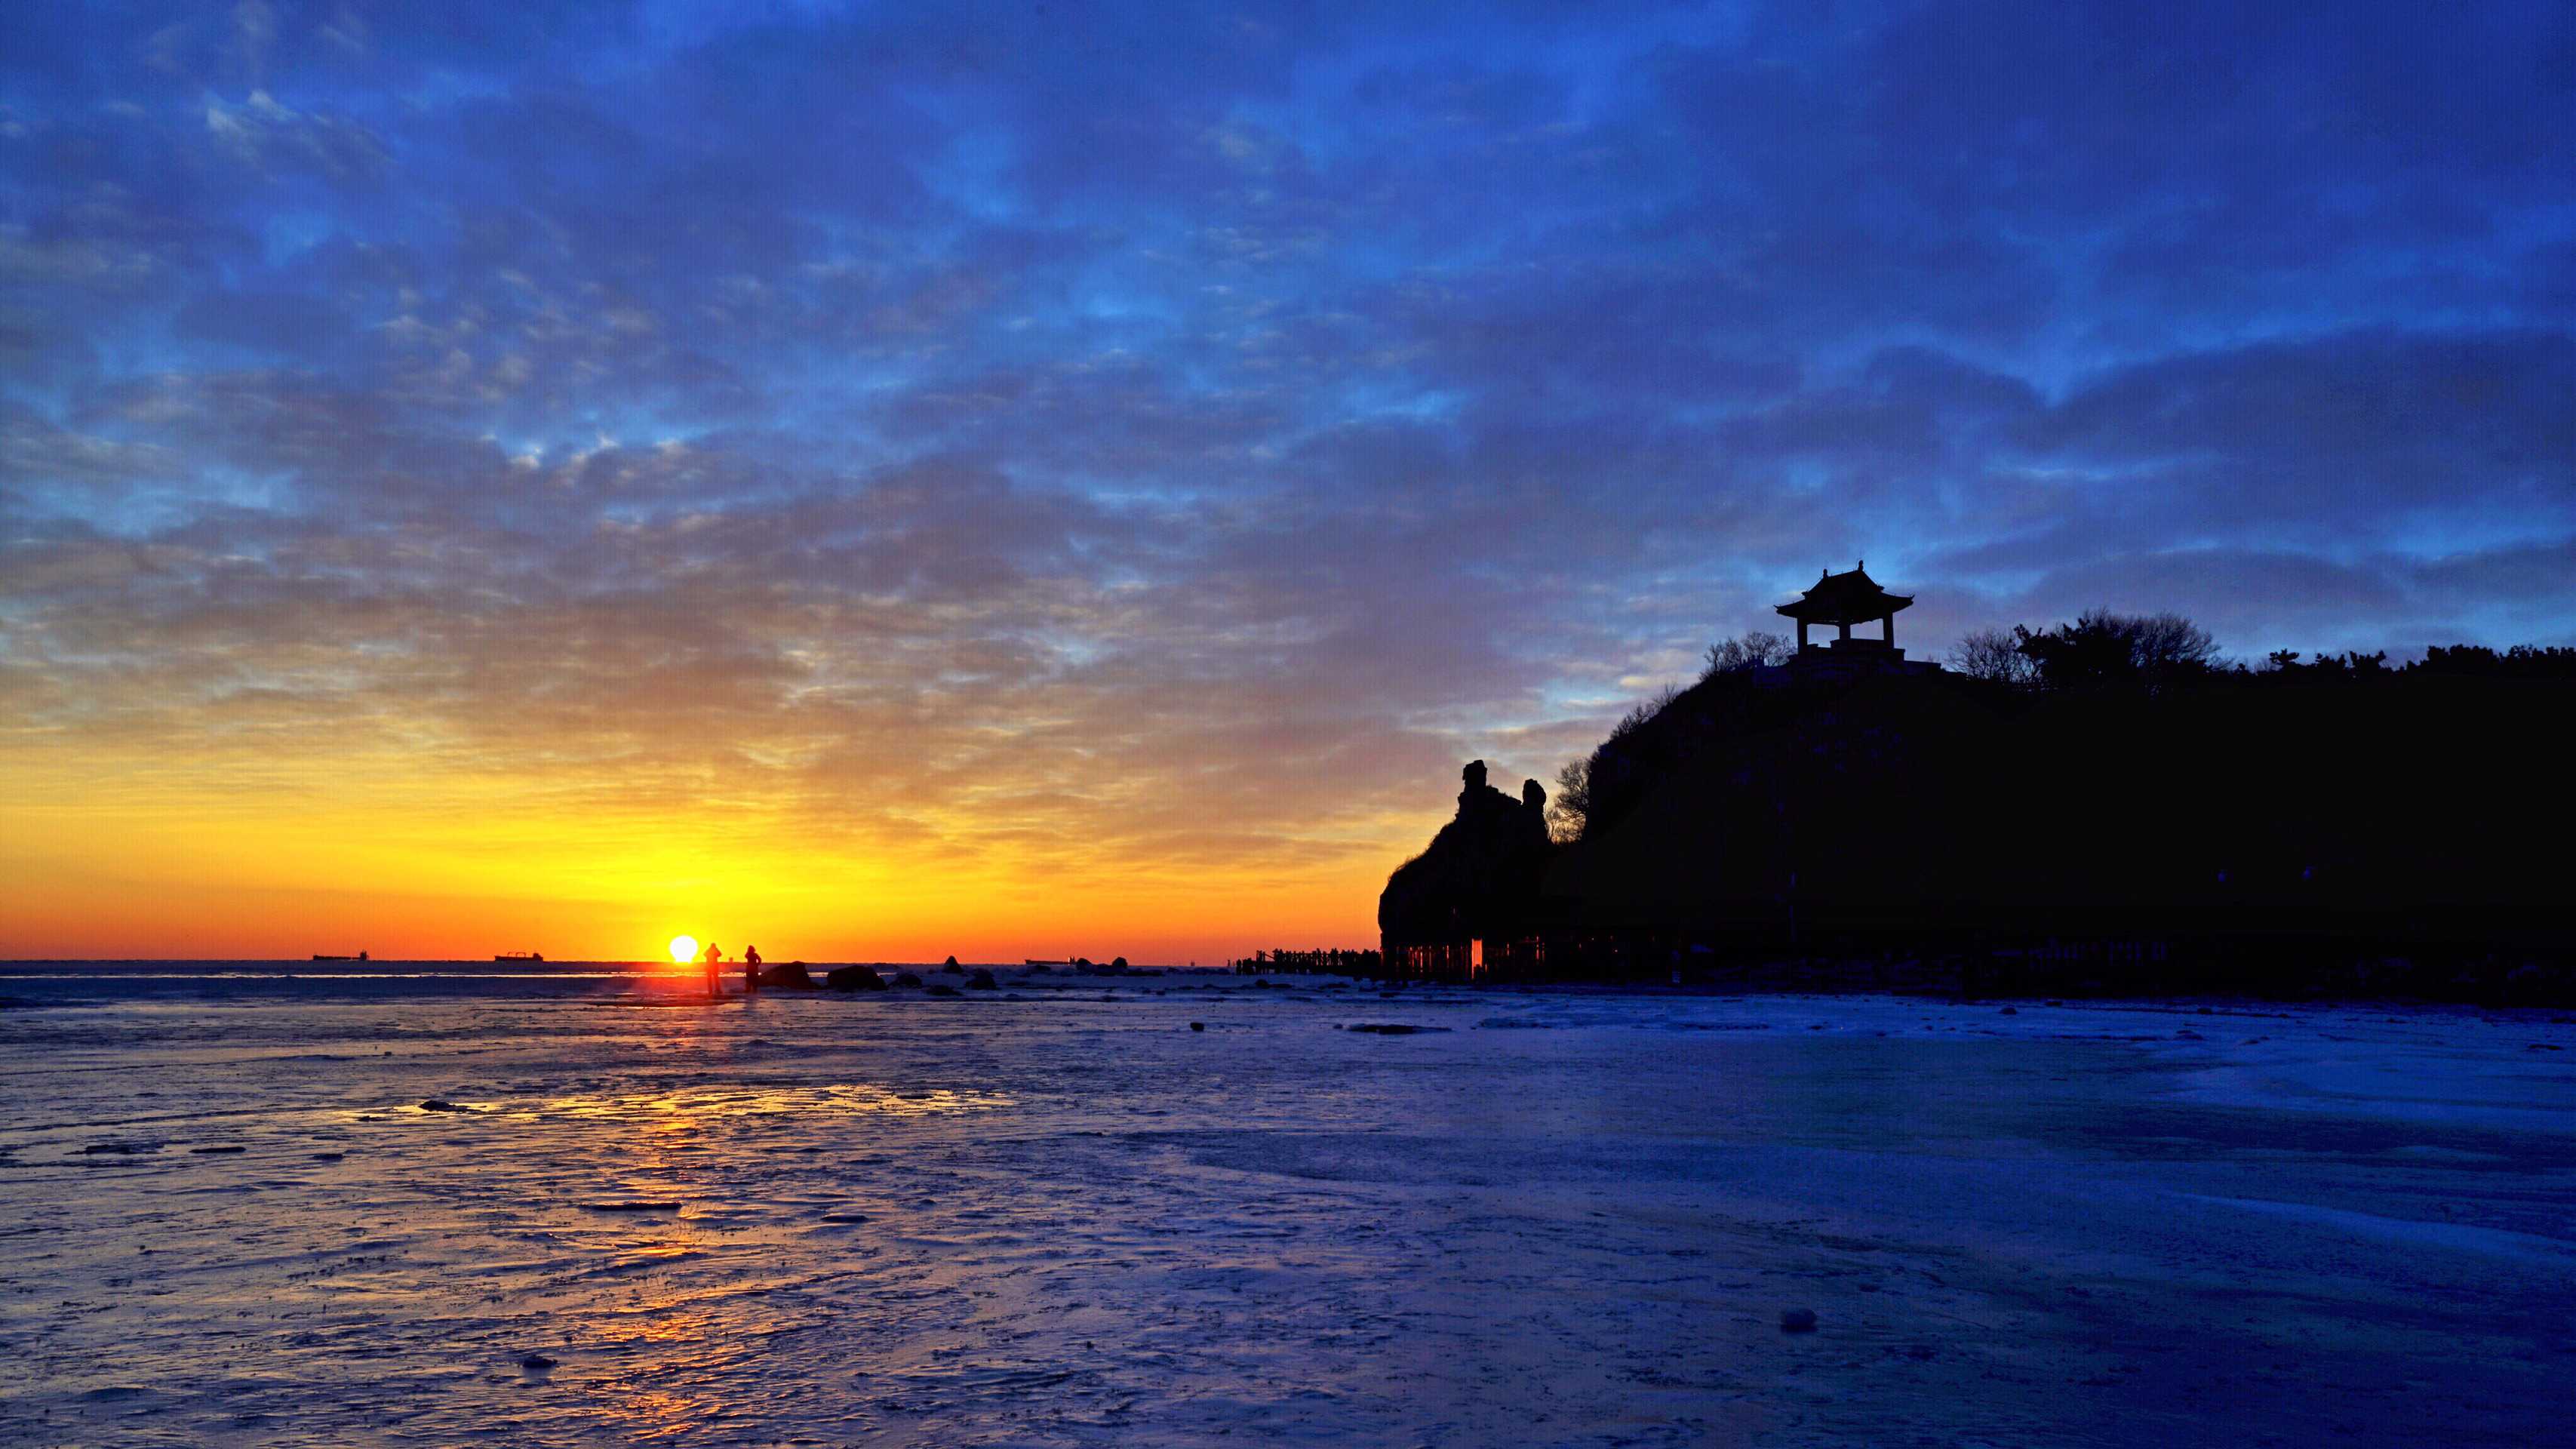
(1845, 626)
(1887, 629)
(1802, 634)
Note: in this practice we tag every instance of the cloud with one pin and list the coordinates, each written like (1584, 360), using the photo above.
(1176, 434)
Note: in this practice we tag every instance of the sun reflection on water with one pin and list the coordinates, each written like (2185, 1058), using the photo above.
(844, 1100)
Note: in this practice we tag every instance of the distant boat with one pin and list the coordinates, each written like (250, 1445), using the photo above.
(318, 956)
(518, 955)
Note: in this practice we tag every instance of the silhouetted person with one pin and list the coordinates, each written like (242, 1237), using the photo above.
(715, 982)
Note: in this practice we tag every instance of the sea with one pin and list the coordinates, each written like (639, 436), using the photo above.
(448, 1203)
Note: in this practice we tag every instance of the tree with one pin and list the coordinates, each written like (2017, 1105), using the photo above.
(2101, 647)
(1572, 803)
(1995, 655)
(2167, 646)
(1643, 715)
(1753, 650)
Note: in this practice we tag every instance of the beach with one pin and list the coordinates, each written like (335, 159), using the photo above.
(1072, 1218)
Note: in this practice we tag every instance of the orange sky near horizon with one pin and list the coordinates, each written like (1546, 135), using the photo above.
(270, 890)
(319, 779)
(143, 858)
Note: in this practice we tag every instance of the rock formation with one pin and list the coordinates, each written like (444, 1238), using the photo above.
(1479, 880)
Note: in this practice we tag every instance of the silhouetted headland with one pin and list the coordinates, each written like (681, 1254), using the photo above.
(2103, 807)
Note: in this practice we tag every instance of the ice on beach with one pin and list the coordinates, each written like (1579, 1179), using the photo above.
(1540, 1218)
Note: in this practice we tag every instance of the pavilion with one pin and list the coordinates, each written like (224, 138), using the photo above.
(1843, 600)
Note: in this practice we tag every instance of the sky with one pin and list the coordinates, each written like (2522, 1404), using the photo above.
(877, 481)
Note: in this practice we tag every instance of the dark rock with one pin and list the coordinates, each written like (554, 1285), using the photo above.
(906, 978)
(1118, 965)
(951, 968)
(435, 1105)
(203, 1151)
(981, 981)
(845, 1217)
(328, 1156)
(944, 989)
(2009, 1011)
(536, 1363)
(949, 965)
(1479, 878)
(1393, 1028)
(854, 978)
(1797, 1320)
(1198, 1026)
(792, 976)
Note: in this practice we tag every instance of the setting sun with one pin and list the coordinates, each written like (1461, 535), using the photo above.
(684, 948)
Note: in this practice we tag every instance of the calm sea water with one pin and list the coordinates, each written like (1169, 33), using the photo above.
(63, 983)
(1073, 1218)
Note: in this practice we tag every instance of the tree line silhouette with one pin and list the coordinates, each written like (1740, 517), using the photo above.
(2100, 650)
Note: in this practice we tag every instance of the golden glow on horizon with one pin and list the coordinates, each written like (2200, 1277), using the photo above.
(684, 948)
(107, 854)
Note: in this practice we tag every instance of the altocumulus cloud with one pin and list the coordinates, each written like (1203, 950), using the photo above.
(1188, 431)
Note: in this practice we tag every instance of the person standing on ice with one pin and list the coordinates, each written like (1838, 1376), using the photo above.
(715, 981)
(751, 965)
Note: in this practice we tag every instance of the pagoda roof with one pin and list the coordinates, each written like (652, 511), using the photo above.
(1852, 598)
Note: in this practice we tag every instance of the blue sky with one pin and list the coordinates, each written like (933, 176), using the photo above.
(1144, 414)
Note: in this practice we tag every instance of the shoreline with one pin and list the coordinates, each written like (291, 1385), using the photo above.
(173, 979)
